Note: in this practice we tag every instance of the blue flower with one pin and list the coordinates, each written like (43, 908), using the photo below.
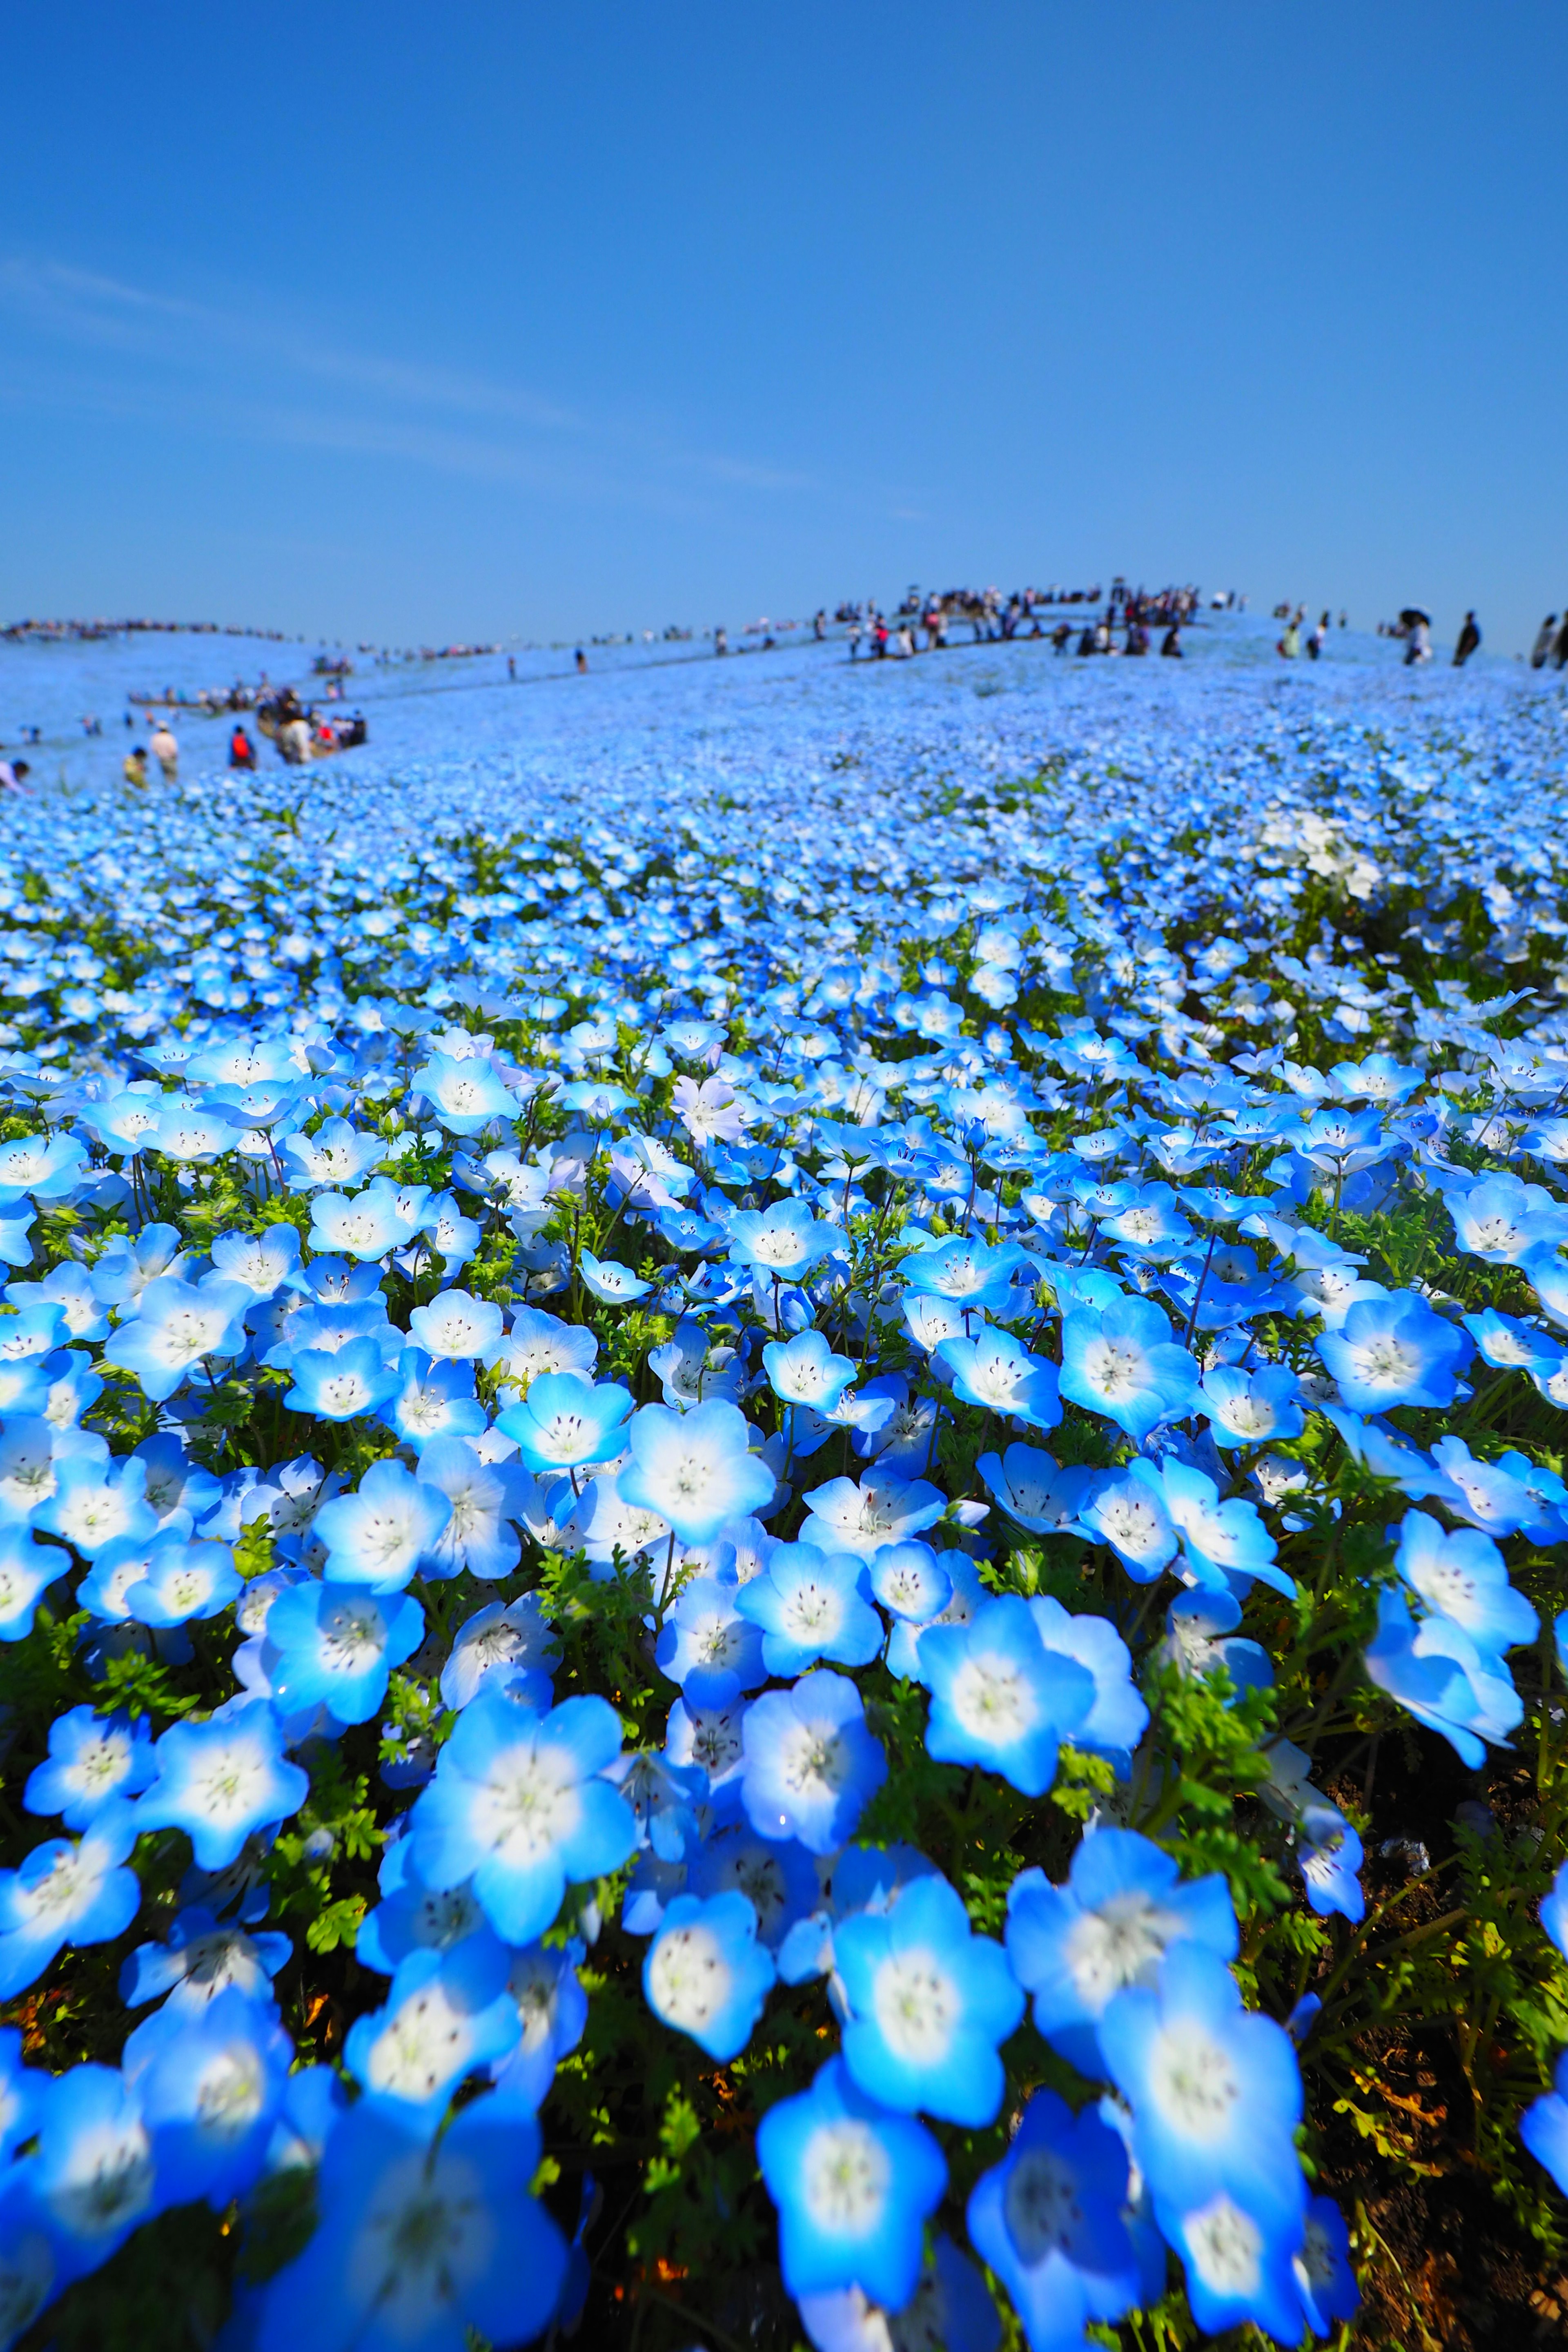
(1394, 1351)
(1435, 1670)
(93, 1509)
(1462, 1577)
(448, 2012)
(778, 1878)
(996, 1372)
(1122, 1363)
(210, 2093)
(695, 1469)
(952, 2307)
(518, 1805)
(705, 1973)
(1049, 2221)
(999, 1698)
(928, 2002)
(421, 2244)
(200, 1960)
(455, 1327)
(911, 1583)
(1329, 1854)
(805, 1370)
(1128, 1514)
(92, 1760)
(343, 1383)
(1213, 2088)
(222, 1779)
(881, 1510)
(94, 2177)
(1076, 1946)
(379, 1535)
(498, 1642)
(67, 1892)
(706, 1634)
(853, 2186)
(464, 1095)
(26, 1570)
(337, 1646)
(1200, 1635)
(181, 1325)
(1116, 1722)
(1240, 2254)
(976, 1276)
(1324, 2279)
(1543, 2127)
(184, 1581)
(1554, 1911)
(785, 1241)
(552, 2006)
(1033, 1491)
(810, 1605)
(564, 1422)
(1224, 1544)
(607, 1279)
(1252, 1407)
(23, 2090)
(810, 1765)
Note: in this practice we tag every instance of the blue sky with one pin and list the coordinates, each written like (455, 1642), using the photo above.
(409, 323)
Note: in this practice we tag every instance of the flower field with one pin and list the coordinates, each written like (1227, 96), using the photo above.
(783, 1517)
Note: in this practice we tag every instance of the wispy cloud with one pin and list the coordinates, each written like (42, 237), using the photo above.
(247, 375)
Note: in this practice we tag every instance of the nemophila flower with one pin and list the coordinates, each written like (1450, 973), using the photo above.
(1116, 1722)
(1324, 2279)
(1225, 1545)
(366, 1227)
(342, 1384)
(952, 2307)
(809, 1605)
(124, 1267)
(706, 1975)
(478, 1538)
(705, 1727)
(805, 1370)
(1396, 1351)
(338, 1153)
(609, 1280)
(1252, 1407)
(94, 2178)
(1554, 1911)
(262, 1263)
(1128, 1514)
(67, 1892)
(1436, 1672)
(455, 1326)
(552, 2006)
(927, 2004)
(999, 1698)
(1329, 1854)
(853, 2185)
(49, 1167)
(664, 1798)
(778, 1878)
(449, 2013)
(202, 1958)
(707, 1634)
(181, 1325)
(378, 1535)
(91, 1758)
(711, 1113)
(1034, 1492)
(184, 1581)
(695, 1469)
(1485, 1492)
(1214, 2092)
(810, 1766)
(222, 1780)
(95, 1504)
(499, 1641)
(1200, 1636)
(785, 1241)
(1047, 2221)
(881, 1510)
(26, 1570)
(1509, 1344)
(434, 1400)
(518, 1805)
(1543, 2127)
(538, 1343)
(464, 1095)
(1239, 2261)
(971, 1274)
(421, 2244)
(1121, 1363)
(564, 1422)
(23, 2090)
(336, 1647)
(210, 2090)
(120, 1567)
(996, 1372)
(911, 1583)
(1076, 1946)
(1463, 1577)
(1499, 1219)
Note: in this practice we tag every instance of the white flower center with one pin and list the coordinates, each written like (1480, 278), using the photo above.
(530, 1810)
(1225, 2246)
(1119, 1944)
(993, 1700)
(1193, 2081)
(847, 2177)
(1041, 2205)
(814, 1761)
(229, 2094)
(422, 2045)
(1112, 1370)
(689, 1978)
(917, 2006)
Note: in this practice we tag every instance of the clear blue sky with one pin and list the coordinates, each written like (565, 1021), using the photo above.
(410, 321)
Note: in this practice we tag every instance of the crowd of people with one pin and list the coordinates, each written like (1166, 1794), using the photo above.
(1550, 644)
(995, 619)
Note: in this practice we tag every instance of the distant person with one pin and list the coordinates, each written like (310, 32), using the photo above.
(512, 667)
(582, 661)
(12, 773)
(1171, 642)
(135, 765)
(1419, 648)
(1469, 638)
(720, 639)
(166, 750)
(1342, 622)
(855, 636)
(241, 749)
(820, 625)
(1317, 639)
(1289, 644)
(1560, 645)
(1540, 652)
(1061, 635)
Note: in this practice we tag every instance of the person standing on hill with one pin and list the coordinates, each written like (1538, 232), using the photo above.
(1319, 639)
(134, 766)
(1542, 648)
(1469, 638)
(1560, 645)
(165, 751)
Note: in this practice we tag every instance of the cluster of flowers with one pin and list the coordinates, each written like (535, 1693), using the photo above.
(757, 1297)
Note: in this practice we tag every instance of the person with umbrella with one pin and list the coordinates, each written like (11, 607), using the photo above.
(1469, 638)
(1417, 626)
